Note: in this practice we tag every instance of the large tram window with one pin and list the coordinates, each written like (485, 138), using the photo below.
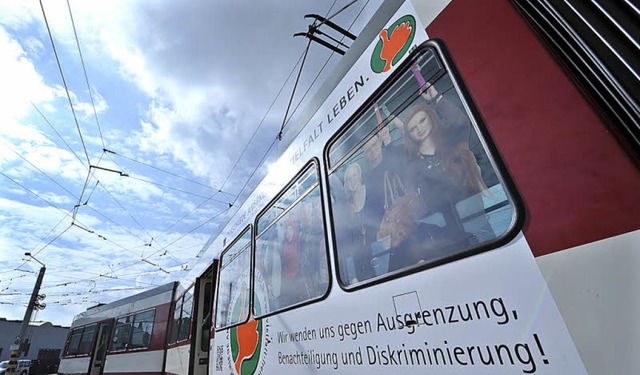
(233, 289)
(74, 341)
(121, 334)
(87, 339)
(142, 329)
(412, 182)
(291, 264)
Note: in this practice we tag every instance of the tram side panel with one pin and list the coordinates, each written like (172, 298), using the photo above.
(124, 337)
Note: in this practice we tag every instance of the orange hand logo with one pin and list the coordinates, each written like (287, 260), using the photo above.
(392, 44)
(248, 337)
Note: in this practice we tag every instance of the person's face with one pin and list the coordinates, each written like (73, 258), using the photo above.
(352, 179)
(373, 151)
(420, 126)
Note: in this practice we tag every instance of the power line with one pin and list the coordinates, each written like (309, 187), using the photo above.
(86, 77)
(66, 88)
(58, 134)
(329, 58)
(110, 152)
(176, 189)
(295, 85)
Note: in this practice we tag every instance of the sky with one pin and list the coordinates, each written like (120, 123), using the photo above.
(128, 145)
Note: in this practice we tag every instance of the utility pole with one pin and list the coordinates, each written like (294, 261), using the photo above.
(34, 303)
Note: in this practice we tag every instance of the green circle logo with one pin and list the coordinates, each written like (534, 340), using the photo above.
(393, 44)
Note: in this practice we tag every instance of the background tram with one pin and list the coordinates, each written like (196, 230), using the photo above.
(541, 275)
(126, 336)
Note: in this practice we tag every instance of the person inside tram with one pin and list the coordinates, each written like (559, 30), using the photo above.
(354, 229)
(313, 261)
(440, 166)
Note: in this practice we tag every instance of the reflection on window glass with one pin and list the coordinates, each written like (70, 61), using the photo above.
(87, 340)
(233, 289)
(411, 182)
(121, 334)
(205, 327)
(74, 341)
(175, 322)
(185, 320)
(300, 187)
(142, 329)
(291, 256)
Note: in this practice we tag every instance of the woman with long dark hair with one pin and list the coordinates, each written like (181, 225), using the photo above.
(442, 169)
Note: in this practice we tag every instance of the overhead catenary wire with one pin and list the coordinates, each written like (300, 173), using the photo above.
(89, 176)
(327, 60)
(243, 187)
(293, 92)
(110, 152)
(59, 135)
(66, 88)
(284, 84)
(86, 77)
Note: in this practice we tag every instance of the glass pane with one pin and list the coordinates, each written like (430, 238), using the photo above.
(142, 329)
(291, 258)
(74, 341)
(206, 324)
(412, 183)
(175, 321)
(121, 334)
(307, 180)
(233, 289)
(185, 321)
(87, 340)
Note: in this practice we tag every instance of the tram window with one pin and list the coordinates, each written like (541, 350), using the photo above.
(185, 319)
(412, 182)
(142, 329)
(175, 322)
(121, 334)
(133, 331)
(291, 264)
(84, 346)
(74, 341)
(233, 288)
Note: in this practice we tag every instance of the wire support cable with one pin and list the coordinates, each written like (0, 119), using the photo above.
(86, 77)
(66, 87)
(295, 85)
(110, 152)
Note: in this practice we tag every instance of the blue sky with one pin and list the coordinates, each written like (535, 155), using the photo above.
(178, 90)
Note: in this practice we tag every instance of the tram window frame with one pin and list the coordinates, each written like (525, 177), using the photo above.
(178, 326)
(84, 346)
(184, 326)
(136, 320)
(248, 230)
(476, 125)
(312, 166)
(130, 320)
(116, 338)
(80, 336)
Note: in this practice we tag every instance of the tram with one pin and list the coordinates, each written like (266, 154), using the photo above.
(461, 197)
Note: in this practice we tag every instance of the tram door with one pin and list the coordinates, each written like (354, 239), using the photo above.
(100, 352)
(203, 310)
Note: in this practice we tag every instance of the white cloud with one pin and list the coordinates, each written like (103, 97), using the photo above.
(21, 83)
(179, 86)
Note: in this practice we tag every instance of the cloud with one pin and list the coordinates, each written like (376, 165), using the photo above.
(177, 86)
(21, 83)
